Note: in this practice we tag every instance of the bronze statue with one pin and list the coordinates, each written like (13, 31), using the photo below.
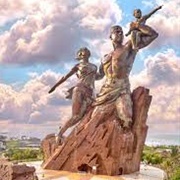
(109, 139)
(82, 93)
(116, 67)
(138, 28)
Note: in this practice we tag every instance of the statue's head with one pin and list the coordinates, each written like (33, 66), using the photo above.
(137, 13)
(116, 34)
(83, 53)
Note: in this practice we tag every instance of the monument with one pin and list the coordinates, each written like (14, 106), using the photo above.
(111, 129)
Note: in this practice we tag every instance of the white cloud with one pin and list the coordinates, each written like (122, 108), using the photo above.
(14, 10)
(14, 105)
(166, 23)
(51, 31)
(147, 3)
(32, 104)
(161, 76)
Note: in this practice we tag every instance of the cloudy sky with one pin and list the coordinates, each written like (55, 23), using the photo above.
(39, 39)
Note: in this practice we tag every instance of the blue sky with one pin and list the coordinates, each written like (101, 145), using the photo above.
(38, 44)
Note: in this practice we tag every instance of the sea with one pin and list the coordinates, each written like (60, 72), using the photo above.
(163, 139)
(151, 139)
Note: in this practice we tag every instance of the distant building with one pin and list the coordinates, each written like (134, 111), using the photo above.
(2, 145)
(23, 142)
(24, 138)
(164, 151)
(2, 142)
(29, 142)
(2, 137)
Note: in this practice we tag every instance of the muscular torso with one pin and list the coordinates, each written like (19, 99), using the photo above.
(118, 63)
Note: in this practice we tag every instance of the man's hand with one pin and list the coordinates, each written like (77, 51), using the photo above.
(52, 89)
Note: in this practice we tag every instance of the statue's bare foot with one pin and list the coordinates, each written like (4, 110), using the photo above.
(59, 140)
(59, 137)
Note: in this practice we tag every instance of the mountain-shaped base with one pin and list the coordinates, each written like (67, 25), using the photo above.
(99, 144)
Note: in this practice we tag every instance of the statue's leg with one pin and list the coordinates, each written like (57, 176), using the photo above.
(79, 106)
(133, 39)
(138, 39)
(124, 109)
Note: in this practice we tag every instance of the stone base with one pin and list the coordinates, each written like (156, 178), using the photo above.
(99, 144)
(10, 171)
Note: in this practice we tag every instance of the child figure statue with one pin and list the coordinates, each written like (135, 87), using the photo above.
(138, 28)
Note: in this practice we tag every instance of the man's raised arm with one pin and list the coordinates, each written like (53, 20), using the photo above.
(146, 40)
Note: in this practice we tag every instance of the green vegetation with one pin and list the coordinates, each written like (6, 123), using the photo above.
(164, 157)
(24, 154)
(12, 144)
(15, 152)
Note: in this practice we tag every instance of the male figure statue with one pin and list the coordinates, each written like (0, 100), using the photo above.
(116, 67)
(82, 93)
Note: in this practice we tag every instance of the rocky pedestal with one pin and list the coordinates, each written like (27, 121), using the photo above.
(49, 145)
(99, 144)
(9, 171)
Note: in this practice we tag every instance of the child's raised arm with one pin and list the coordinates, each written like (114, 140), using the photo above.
(152, 12)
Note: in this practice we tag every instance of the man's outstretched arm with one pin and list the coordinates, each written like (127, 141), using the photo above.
(146, 40)
(64, 78)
